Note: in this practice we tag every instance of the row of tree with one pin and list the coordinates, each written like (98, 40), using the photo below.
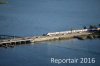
(92, 26)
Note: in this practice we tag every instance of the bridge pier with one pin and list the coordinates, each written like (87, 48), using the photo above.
(23, 42)
(28, 42)
(18, 43)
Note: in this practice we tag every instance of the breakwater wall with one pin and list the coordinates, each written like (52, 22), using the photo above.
(49, 37)
(27, 40)
(59, 37)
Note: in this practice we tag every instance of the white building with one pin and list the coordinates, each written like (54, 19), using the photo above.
(66, 32)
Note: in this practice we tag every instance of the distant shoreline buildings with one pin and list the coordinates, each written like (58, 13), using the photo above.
(71, 31)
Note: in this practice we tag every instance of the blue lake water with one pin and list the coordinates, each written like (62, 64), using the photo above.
(35, 17)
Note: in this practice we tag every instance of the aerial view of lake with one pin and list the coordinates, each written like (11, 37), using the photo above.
(36, 17)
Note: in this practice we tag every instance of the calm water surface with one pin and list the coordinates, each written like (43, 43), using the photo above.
(35, 17)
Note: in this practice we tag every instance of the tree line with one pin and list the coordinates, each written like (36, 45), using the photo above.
(92, 26)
